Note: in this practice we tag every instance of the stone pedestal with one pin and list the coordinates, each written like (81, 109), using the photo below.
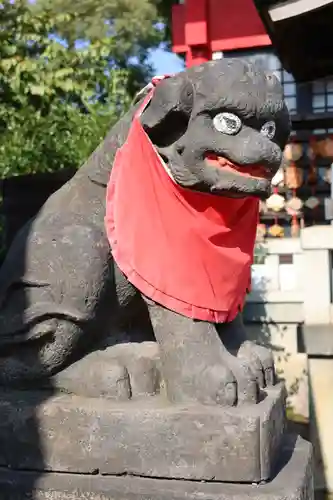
(70, 447)
(292, 480)
(148, 438)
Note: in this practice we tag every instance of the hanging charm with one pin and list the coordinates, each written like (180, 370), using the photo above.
(293, 152)
(275, 202)
(294, 206)
(294, 176)
(276, 231)
(312, 202)
(325, 148)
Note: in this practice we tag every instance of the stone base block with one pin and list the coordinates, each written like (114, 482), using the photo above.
(148, 437)
(293, 481)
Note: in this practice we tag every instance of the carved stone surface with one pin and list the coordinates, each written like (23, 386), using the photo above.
(148, 438)
(293, 481)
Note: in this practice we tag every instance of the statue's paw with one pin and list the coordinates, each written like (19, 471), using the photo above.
(246, 383)
(261, 361)
(119, 373)
(229, 384)
(93, 377)
(142, 364)
(217, 385)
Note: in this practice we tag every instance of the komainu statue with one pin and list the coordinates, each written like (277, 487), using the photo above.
(125, 292)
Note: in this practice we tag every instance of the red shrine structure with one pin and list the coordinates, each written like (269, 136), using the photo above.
(202, 28)
(299, 30)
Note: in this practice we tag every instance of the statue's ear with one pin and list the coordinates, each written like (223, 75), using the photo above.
(166, 117)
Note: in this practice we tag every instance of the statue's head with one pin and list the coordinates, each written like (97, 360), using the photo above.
(220, 127)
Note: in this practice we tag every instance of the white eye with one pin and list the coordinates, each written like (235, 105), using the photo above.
(227, 123)
(268, 130)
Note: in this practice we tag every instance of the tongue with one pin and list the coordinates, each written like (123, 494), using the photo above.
(248, 171)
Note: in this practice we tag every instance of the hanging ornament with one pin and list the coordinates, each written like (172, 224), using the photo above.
(294, 179)
(276, 231)
(329, 147)
(275, 202)
(293, 151)
(312, 203)
(325, 148)
(294, 176)
(294, 206)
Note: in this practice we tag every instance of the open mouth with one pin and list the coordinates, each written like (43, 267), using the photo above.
(253, 171)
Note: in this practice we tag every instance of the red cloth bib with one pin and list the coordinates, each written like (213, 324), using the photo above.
(188, 251)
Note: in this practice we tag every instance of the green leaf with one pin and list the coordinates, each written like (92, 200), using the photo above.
(60, 73)
(37, 89)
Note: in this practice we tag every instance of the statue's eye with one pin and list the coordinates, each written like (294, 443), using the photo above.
(227, 123)
(268, 130)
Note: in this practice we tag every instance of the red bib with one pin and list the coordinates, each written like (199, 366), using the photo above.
(188, 251)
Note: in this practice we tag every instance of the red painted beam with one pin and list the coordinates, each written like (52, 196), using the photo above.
(196, 19)
(235, 25)
(201, 27)
(178, 29)
(196, 32)
(189, 31)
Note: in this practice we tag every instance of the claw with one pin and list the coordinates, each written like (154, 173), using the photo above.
(261, 361)
(248, 390)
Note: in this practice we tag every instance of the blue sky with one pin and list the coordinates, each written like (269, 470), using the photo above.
(165, 62)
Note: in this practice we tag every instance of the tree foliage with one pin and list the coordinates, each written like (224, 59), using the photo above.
(131, 26)
(68, 69)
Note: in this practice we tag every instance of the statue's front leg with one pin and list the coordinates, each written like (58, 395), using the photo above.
(195, 363)
(259, 358)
